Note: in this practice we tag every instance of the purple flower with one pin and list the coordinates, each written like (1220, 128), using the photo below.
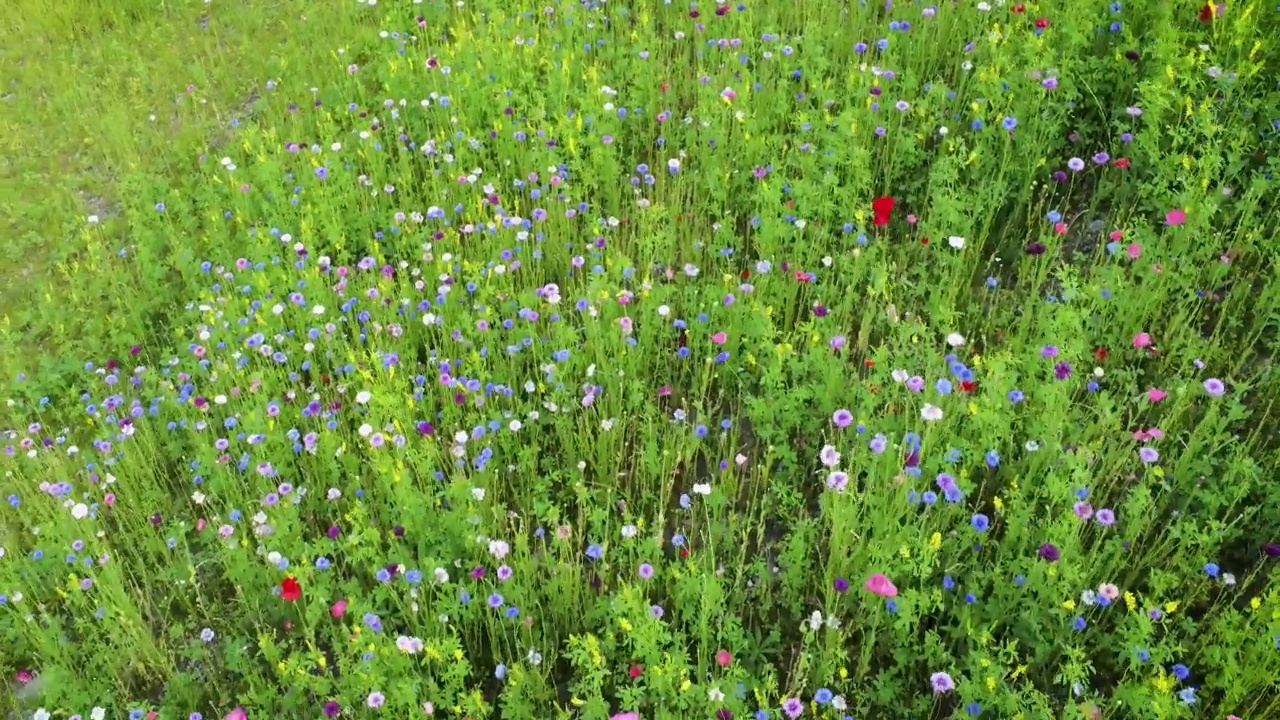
(1049, 552)
(942, 682)
(842, 418)
(841, 585)
(1214, 387)
(1106, 517)
(331, 709)
(792, 707)
(1062, 370)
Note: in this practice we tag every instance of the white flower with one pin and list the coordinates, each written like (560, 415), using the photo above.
(931, 412)
(514, 425)
(956, 242)
(838, 702)
(1032, 446)
(943, 130)
(477, 493)
(628, 531)
(197, 497)
(79, 511)
(703, 489)
(365, 430)
(97, 713)
(714, 695)
(1228, 579)
(41, 714)
(829, 456)
(442, 575)
(900, 375)
(364, 396)
(815, 620)
(955, 340)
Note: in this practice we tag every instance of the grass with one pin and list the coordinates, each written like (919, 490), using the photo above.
(599, 359)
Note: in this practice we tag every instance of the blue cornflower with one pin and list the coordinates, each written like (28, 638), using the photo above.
(823, 696)
(1180, 671)
(595, 552)
(1211, 570)
(980, 522)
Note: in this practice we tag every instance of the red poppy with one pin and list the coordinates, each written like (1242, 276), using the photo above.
(1042, 23)
(968, 386)
(746, 274)
(924, 241)
(1207, 11)
(1100, 353)
(290, 589)
(1122, 163)
(684, 553)
(882, 206)
(868, 362)
(665, 86)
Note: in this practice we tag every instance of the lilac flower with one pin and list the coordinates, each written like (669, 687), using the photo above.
(942, 682)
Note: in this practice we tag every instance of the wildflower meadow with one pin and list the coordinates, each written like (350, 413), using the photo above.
(641, 360)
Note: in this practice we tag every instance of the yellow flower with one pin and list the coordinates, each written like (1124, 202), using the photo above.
(935, 541)
(844, 673)
(991, 683)
(1171, 607)
(1069, 604)
(626, 626)
(1255, 603)
(998, 503)
(905, 552)
(576, 702)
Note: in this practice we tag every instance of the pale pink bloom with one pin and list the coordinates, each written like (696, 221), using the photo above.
(625, 716)
(1134, 250)
(719, 338)
(880, 585)
(1141, 340)
(200, 524)
(237, 714)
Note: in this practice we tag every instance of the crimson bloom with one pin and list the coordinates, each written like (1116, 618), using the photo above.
(290, 589)
(882, 206)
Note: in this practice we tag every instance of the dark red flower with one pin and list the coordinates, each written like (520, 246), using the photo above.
(1042, 23)
(1122, 163)
(1100, 353)
(968, 386)
(684, 553)
(882, 206)
(635, 671)
(1207, 11)
(290, 589)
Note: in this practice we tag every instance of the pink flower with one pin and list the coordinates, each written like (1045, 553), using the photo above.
(723, 658)
(1175, 217)
(1141, 340)
(625, 716)
(1060, 228)
(237, 714)
(1134, 250)
(109, 499)
(338, 608)
(719, 338)
(1155, 395)
(200, 524)
(1116, 235)
(880, 585)
(23, 676)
